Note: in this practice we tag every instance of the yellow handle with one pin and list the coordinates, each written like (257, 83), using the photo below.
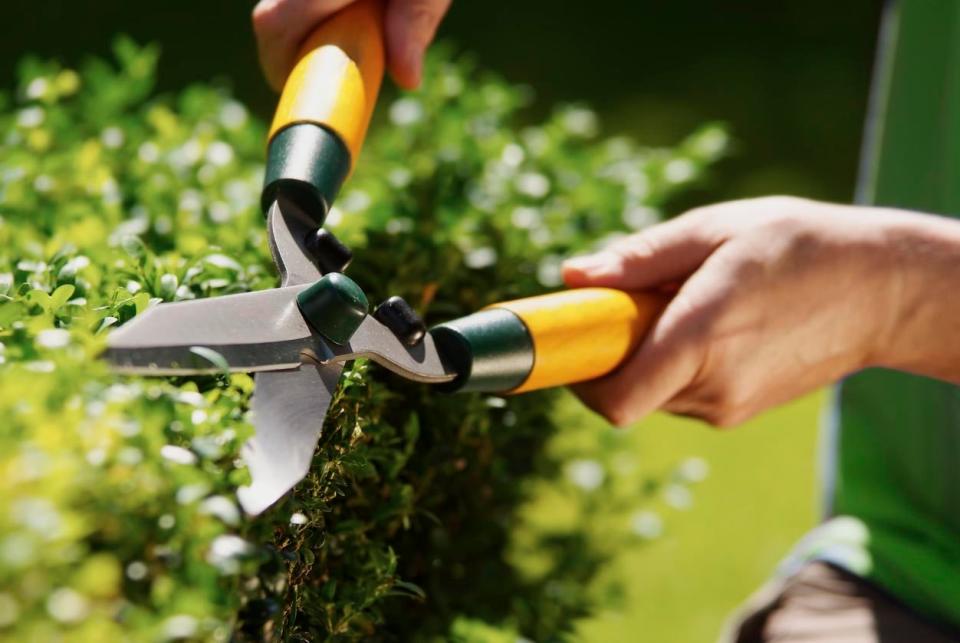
(337, 77)
(582, 334)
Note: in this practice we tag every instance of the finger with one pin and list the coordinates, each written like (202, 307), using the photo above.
(691, 405)
(411, 26)
(281, 26)
(666, 362)
(667, 252)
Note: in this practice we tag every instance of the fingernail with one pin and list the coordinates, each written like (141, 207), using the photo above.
(599, 263)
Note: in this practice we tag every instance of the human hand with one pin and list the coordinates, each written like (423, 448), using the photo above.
(779, 296)
(281, 26)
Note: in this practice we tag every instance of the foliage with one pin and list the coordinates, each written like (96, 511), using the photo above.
(118, 518)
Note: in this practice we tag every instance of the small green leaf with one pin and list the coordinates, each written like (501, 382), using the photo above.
(212, 356)
(142, 301)
(105, 323)
(409, 589)
(60, 296)
(39, 298)
(11, 311)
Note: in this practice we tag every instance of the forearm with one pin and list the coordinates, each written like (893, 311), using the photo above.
(924, 335)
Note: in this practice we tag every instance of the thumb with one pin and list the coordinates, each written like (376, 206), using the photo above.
(663, 254)
(665, 363)
(410, 27)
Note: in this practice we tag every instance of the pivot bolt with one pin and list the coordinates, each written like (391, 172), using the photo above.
(402, 320)
(334, 306)
(328, 252)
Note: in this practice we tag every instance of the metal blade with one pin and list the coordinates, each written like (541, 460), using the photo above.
(289, 408)
(373, 340)
(251, 331)
(288, 228)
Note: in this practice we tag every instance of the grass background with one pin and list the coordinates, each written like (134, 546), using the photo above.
(759, 498)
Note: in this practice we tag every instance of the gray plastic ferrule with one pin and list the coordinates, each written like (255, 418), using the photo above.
(490, 351)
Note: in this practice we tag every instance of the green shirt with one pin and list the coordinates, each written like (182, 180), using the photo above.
(893, 442)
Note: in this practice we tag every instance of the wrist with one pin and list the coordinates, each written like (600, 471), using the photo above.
(921, 293)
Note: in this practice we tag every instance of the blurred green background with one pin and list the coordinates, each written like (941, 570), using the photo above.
(789, 79)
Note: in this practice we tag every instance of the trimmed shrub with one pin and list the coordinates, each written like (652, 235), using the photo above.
(118, 519)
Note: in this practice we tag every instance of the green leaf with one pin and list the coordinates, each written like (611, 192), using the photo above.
(11, 311)
(142, 301)
(212, 356)
(39, 298)
(60, 296)
(402, 588)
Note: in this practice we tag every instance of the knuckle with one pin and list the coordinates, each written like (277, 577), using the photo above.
(728, 409)
(748, 267)
(618, 416)
(717, 415)
(692, 319)
(702, 211)
(779, 201)
(783, 210)
(645, 246)
(684, 307)
(721, 421)
(636, 247)
(607, 400)
(752, 211)
(423, 14)
(715, 214)
(613, 409)
(267, 16)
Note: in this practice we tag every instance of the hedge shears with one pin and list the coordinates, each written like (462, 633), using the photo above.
(296, 338)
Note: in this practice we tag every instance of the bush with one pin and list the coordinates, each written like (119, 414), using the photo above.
(118, 517)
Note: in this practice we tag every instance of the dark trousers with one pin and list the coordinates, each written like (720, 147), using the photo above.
(822, 604)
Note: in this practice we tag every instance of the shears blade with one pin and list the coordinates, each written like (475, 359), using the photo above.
(264, 332)
(256, 332)
(248, 332)
(289, 410)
